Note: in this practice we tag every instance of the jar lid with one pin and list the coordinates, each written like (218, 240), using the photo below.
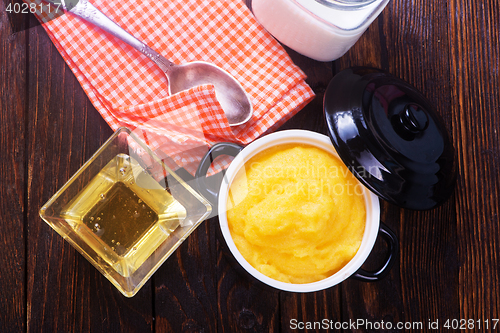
(390, 137)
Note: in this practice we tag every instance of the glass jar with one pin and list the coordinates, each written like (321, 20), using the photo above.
(323, 30)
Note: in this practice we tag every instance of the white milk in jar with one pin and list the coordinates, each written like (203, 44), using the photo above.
(321, 29)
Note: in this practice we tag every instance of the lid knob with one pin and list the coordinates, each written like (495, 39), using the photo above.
(411, 121)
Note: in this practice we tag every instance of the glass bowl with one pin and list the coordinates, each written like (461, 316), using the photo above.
(125, 211)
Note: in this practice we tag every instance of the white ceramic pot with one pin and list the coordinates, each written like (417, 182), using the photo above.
(373, 225)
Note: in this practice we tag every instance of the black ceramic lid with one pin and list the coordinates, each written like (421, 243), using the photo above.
(390, 137)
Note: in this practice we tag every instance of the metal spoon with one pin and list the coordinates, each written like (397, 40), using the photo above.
(230, 94)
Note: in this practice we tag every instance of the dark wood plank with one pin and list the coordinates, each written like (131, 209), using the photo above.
(318, 75)
(13, 94)
(424, 284)
(311, 312)
(433, 281)
(65, 292)
(245, 304)
(475, 64)
(185, 285)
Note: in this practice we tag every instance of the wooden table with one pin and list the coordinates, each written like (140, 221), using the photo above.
(448, 268)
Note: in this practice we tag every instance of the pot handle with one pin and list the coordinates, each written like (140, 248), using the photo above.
(219, 149)
(392, 243)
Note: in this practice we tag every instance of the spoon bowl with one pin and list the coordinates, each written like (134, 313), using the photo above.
(229, 93)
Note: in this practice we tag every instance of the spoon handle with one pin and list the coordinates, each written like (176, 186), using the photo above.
(85, 10)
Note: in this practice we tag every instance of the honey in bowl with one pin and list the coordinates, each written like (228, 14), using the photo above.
(296, 213)
(123, 214)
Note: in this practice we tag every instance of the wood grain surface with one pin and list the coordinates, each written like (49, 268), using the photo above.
(448, 267)
(13, 191)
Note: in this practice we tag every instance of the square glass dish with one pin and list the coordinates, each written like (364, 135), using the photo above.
(125, 211)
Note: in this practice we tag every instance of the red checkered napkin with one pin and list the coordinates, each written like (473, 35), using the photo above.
(129, 90)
